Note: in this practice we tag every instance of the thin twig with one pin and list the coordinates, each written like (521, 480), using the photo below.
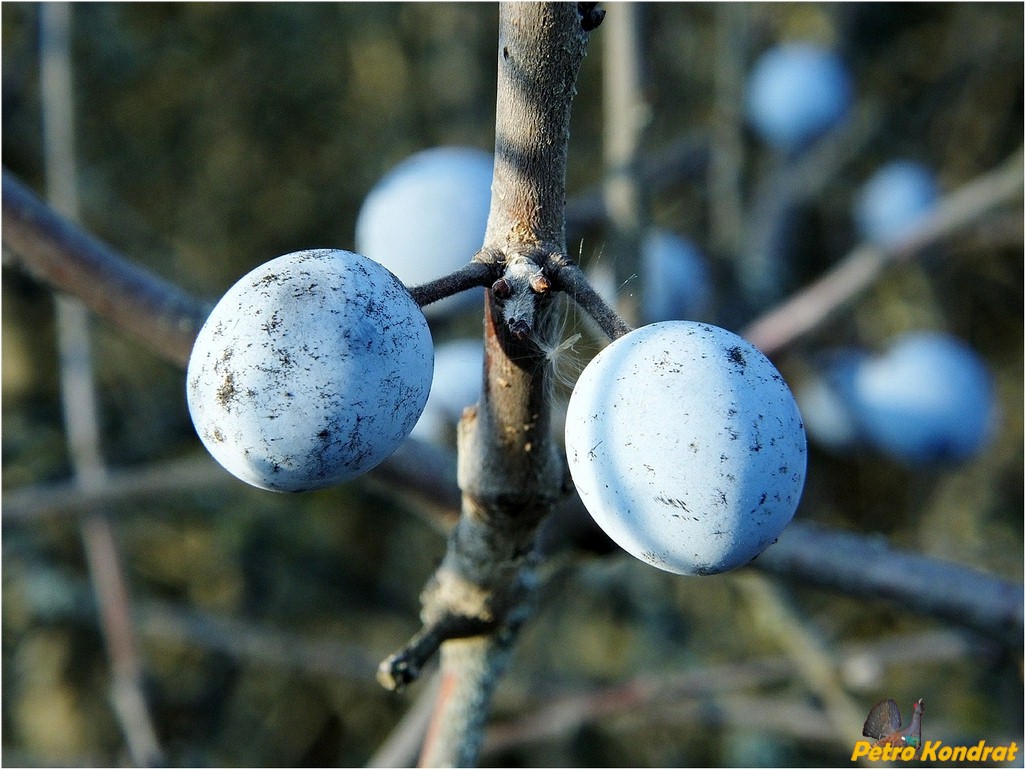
(567, 276)
(473, 274)
(812, 306)
(80, 406)
(815, 663)
(399, 669)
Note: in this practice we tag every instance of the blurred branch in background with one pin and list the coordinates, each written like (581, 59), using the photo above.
(703, 694)
(625, 117)
(553, 710)
(53, 595)
(423, 471)
(774, 616)
(80, 404)
(809, 554)
(63, 256)
(402, 747)
(682, 160)
(65, 498)
(805, 311)
(791, 183)
(868, 567)
(725, 178)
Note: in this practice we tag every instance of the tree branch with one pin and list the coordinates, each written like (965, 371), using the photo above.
(812, 306)
(811, 554)
(509, 469)
(473, 274)
(567, 276)
(80, 405)
(60, 254)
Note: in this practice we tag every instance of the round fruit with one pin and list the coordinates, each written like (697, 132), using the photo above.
(796, 92)
(311, 370)
(686, 447)
(456, 384)
(825, 399)
(676, 279)
(427, 217)
(894, 200)
(929, 398)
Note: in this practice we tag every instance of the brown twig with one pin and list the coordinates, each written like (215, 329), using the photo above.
(567, 276)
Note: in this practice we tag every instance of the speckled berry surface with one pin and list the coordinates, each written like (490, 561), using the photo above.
(311, 370)
(686, 446)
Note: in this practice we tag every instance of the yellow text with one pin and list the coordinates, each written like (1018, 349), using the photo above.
(936, 751)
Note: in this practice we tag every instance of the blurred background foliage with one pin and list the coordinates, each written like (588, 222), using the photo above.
(212, 137)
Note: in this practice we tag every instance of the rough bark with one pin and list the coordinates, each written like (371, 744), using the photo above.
(510, 471)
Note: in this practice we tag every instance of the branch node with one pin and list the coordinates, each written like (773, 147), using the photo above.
(522, 283)
(403, 667)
